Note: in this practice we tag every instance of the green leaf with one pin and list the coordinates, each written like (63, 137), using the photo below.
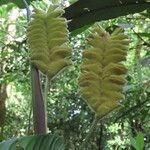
(84, 12)
(8, 145)
(133, 142)
(144, 34)
(146, 13)
(37, 142)
(139, 141)
(55, 2)
(80, 30)
(19, 3)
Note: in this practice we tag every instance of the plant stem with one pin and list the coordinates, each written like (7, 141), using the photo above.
(29, 119)
(45, 98)
(90, 134)
(39, 120)
(38, 103)
(27, 9)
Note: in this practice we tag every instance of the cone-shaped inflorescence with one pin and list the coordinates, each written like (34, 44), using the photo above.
(102, 74)
(47, 35)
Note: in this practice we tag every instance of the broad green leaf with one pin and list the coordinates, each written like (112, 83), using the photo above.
(144, 34)
(146, 13)
(84, 12)
(42, 142)
(80, 30)
(139, 141)
(27, 141)
(8, 145)
(37, 142)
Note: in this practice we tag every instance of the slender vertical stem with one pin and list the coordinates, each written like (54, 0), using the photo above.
(29, 119)
(37, 99)
(38, 103)
(89, 135)
(45, 98)
(27, 9)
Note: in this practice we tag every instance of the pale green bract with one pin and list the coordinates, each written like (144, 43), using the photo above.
(47, 35)
(102, 74)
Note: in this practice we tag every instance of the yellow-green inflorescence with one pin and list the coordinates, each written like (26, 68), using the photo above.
(47, 36)
(102, 74)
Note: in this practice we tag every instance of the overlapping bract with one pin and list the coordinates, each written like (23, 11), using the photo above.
(102, 75)
(47, 34)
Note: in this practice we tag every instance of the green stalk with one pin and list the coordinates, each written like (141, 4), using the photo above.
(91, 133)
(45, 98)
(39, 114)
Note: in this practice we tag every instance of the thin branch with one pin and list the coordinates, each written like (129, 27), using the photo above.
(5, 45)
(131, 109)
(7, 33)
(145, 43)
(27, 9)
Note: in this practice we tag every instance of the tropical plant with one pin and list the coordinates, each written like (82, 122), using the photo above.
(49, 55)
